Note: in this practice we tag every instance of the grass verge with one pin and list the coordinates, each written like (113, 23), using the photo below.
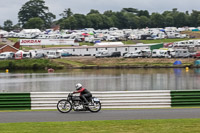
(163, 40)
(120, 62)
(108, 126)
(28, 64)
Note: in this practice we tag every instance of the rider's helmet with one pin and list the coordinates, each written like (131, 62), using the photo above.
(78, 86)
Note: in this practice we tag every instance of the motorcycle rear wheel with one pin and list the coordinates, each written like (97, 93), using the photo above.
(64, 106)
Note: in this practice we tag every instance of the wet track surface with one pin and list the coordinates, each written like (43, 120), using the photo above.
(47, 116)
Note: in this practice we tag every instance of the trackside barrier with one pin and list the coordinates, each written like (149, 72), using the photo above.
(185, 98)
(15, 101)
(109, 99)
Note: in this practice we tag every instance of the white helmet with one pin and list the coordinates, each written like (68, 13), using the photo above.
(78, 86)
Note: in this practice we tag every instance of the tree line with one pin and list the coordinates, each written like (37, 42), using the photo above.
(35, 14)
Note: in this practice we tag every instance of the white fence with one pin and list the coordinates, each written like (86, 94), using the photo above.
(109, 99)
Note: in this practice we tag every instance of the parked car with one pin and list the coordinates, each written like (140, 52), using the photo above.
(7, 55)
(26, 55)
(136, 54)
(196, 55)
(105, 53)
(65, 54)
(101, 54)
(115, 54)
(40, 55)
(53, 54)
(127, 55)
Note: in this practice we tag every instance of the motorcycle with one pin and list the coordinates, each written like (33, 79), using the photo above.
(77, 104)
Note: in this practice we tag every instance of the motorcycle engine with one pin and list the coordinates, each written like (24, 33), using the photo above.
(77, 105)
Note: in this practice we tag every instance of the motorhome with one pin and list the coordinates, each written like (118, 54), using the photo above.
(138, 53)
(170, 52)
(146, 53)
(159, 53)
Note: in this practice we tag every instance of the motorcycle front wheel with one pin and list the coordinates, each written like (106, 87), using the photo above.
(64, 106)
(94, 107)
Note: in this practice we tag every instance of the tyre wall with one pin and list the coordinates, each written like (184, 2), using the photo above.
(15, 101)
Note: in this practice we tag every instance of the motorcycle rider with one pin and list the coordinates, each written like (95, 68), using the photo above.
(84, 93)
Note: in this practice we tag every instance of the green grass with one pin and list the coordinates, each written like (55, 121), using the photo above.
(43, 64)
(117, 63)
(26, 48)
(163, 40)
(109, 126)
(130, 42)
(86, 43)
(28, 64)
(13, 39)
(154, 41)
(69, 62)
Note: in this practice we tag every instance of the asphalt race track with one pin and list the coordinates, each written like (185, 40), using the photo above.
(47, 116)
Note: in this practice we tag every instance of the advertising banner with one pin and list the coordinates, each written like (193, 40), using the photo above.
(28, 42)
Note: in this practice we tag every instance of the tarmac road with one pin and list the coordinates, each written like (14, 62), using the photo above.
(47, 116)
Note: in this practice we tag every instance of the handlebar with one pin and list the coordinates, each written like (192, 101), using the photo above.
(71, 93)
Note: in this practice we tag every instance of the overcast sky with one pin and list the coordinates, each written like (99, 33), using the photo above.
(9, 8)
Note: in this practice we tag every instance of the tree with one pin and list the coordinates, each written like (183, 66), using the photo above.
(169, 21)
(115, 20)
(92, 11)
(108, 13)
(144, 22)
(8, 25)
(123, 19)
(131, 10)
(94, 21)
(129, 18)
(69, 23)
(34, 23)
(143, 13)
(194, 18)
(157, 20)
(81, 20)
(33, 9)
(17, 27)
(107, 22)
(66, 13)
(180, 20)
(132, 21)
